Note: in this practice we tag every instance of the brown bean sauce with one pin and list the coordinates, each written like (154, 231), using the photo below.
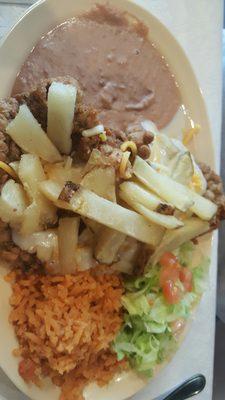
(121, 72)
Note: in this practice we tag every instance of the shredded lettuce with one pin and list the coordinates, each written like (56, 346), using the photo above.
(146, 338)
(185, 253)
(145, 283)
(139, 344)
(200, 275)
(162, 312)
(136, 304)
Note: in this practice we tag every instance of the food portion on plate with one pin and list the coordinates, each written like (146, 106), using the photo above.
(101, 213)
(100, 238)
(121, 71)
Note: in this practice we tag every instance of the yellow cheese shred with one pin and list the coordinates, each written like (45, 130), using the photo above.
(8, 170)
(190, 133)
(129, 144)
(123, 165)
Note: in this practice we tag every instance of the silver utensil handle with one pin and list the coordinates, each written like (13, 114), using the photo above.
(187, 389)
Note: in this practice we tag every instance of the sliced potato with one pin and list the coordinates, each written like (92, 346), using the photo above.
(14, 195)
(192, 228)
(28, 134)
(13, 202)
(67, 242)
(108, 243)
(31, 173)
(9, 215)
(99, 176)
(183, 169)
(202, 207)
(175, 193)
(31, 219)
(167, 221)
(44, 244)
(171, 191)
(102, 181)
(84, 258)
(59, 172)
(138, 193)
(88, 204)
(48, 212)
(51, 190)
(61, 108)
(97, 159)
(127, 255)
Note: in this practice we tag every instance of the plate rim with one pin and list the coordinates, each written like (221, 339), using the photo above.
(28, 12)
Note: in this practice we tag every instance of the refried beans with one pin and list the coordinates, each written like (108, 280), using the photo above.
(122, 73)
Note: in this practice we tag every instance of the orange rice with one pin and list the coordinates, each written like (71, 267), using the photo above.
(65, 326)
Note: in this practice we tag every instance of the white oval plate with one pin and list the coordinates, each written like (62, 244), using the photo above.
(38, 20)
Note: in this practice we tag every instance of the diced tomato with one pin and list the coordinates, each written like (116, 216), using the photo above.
(186, 278)
(170, 273)
(168, 260)
(26, 370)
(171, 292)
(170, 268)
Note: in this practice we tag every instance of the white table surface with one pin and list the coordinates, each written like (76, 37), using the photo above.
(197, 25)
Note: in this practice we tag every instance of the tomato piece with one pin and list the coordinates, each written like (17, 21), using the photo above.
(185, 277)
(26, 370)
(170, 273)
(168, 259)
(171, 292)
(170, 268)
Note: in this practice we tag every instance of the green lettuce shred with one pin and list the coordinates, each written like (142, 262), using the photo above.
(200, 275)
(185, 253)
(146, 338)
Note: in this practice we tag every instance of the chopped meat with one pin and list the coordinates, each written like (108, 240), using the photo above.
(3, 178)
(8, 149)
(13, 255)
(5, 235)
(8, 110)
(4, 147)
(214, 192)
(14, 152)
(85, 118)
(83, 146)
(36, 99)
